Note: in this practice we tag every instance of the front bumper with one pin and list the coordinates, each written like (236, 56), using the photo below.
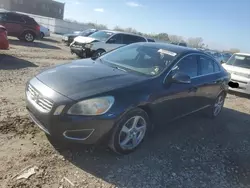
(244, 85)
(82, 52)
(80, 129)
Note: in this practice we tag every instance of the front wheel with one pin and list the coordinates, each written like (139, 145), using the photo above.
(130, 131)
(217, 106)
(98, 53)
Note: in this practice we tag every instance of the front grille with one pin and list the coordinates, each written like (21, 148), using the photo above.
(43, 104)
(242, 74)
(79, 44)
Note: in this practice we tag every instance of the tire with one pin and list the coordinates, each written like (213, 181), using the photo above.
(124, 132)
(29, 36)
(216, 108)
(98, 53)
(42, 35)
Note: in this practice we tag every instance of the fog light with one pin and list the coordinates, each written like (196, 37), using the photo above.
(59, 110)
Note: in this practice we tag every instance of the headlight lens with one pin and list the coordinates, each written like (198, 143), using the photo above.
(88, 45)
(95, 106)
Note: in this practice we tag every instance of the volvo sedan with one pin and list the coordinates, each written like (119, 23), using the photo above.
(123, 94)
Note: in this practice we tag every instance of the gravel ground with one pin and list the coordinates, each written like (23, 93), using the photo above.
(191, 152)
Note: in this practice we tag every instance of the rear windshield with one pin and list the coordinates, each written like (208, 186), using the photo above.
(239, 61)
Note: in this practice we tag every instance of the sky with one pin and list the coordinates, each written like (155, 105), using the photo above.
(223, 24)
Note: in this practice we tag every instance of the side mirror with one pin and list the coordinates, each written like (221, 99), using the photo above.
(181, 78)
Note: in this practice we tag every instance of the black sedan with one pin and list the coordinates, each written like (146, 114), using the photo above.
(69, 38)
(123, 93)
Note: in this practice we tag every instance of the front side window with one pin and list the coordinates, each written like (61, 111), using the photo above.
(140, 58)
(101, 35)
(116, 39)
(15, 18)
(206, 65)
(188, 65)
(239, 61)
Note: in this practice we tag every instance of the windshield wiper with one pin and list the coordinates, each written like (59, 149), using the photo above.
(115, 67)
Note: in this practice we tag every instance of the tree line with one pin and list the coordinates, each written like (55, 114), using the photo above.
(194, 42)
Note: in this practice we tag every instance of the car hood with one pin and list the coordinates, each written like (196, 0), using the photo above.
(71, 35)
(238, 71)
(84, 40)
(84, 78)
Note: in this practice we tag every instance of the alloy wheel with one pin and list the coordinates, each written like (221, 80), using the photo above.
(29, 37)
(218, 105)
(132, 133)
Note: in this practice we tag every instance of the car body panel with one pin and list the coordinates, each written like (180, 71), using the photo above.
(4, 43)
(85, 79)
(45, 31)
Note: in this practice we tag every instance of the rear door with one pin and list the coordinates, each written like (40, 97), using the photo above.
(14, 24)
(129, 39)
(210, 80)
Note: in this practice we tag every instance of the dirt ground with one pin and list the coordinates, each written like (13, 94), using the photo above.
(191, 152)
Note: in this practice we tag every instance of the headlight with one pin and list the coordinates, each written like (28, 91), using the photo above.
(95, 106)
(88, 45)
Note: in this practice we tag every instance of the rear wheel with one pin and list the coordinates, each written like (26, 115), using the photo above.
(29, 36)
(130, 131)
(217, 106)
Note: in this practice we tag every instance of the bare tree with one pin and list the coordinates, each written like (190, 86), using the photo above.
(175, 38)
(196, 42)
(234, 50)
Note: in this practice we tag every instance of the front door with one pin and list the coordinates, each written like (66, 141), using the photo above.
(174, 99)
(114, 42)
(14, 24)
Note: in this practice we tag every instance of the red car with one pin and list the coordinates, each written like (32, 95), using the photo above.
(21, 26)
(4, 43)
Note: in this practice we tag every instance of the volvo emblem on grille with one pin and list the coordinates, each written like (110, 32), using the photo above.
(35, 97)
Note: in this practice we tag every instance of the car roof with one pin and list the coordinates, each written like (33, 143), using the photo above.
(15, 13)
(174, 48)
(246, 54)
(123, 32)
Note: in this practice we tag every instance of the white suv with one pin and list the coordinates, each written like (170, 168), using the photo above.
(102, 41)
(238, 66)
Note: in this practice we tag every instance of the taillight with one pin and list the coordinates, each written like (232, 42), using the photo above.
(38, 27)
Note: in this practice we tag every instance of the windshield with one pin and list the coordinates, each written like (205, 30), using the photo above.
(145, 59)
(239, 61)
(87, 32)
(101, 35)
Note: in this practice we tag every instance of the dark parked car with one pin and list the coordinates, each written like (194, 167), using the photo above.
(123, 93)
(69, 38)
(19, 25)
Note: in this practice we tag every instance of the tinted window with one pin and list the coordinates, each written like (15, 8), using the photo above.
(188, 66)
(151, 40)
(14, 18)
(216, 67)
(30, 21)
(116, 39)
(128, 39)
(2, 17)
(147, 60)
(206, 65)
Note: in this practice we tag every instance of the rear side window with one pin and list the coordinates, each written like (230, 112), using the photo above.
(207, 65)
(128, 39)
(14, 18)
(30, 21)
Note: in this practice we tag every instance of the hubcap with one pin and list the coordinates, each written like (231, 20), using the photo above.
(132, 132)
(29, 37)
(218, 105)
